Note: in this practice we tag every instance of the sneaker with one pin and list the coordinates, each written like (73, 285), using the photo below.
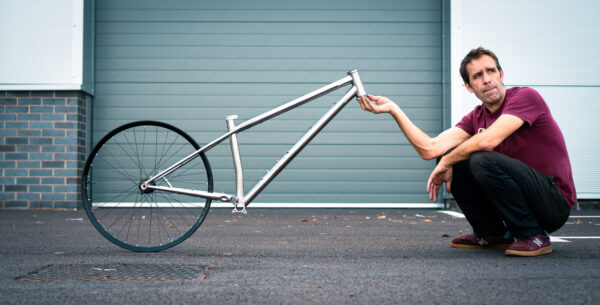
(530, 246)
(473, 241)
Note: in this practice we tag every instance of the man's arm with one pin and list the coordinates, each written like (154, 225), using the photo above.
(427, 147)
(504, 126)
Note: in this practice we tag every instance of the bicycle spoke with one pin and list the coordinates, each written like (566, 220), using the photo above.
(137, 153)
(140, 218)
(183, 172)
(155, 152)
(175, 208)
(168, 150)
(118, 219)
(168, 220)
(162, 153)
(132, 215)
(150, 229)
(110, 199)
(119, 168)
(131, 158)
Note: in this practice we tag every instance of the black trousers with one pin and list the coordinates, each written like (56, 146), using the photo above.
(498, 193)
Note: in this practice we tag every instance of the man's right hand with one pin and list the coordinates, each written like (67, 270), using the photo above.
(376, 104)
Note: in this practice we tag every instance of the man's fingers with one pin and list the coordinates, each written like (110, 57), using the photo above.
(371, 103)
(432, 189)
(429, 185)
(361, 102)
(433, 193)
(362, 105)
(366, 104)
(430, 194)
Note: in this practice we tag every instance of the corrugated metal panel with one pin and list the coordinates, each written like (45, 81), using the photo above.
(191, 63)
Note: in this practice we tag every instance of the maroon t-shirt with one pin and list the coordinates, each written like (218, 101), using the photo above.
(539, 143)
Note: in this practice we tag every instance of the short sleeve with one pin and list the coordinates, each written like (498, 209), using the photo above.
(466, 123)
(526, 104)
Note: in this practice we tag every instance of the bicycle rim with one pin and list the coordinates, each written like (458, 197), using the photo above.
(129, 217)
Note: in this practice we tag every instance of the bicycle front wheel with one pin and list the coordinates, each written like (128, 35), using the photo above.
(145, 220)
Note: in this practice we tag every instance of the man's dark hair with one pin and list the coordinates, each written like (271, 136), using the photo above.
(475, 54)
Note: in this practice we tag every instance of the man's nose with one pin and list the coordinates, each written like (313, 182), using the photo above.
(486, 78)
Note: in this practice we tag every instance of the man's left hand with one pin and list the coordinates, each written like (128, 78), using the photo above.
(441, 173)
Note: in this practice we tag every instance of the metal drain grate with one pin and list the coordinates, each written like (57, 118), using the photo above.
(118, 272)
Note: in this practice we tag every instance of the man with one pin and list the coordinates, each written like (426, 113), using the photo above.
(505, 162)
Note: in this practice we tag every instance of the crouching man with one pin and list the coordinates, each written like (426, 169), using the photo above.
(505, 162)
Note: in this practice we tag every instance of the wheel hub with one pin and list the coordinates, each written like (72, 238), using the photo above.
(143, 186)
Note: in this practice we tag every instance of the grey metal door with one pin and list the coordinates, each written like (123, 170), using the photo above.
(192, 63)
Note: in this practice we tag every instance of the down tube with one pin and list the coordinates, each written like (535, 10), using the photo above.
(289, 156)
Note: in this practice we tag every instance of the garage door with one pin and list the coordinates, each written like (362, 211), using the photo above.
(192, 63)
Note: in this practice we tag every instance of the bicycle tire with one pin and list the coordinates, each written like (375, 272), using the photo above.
(120, 210)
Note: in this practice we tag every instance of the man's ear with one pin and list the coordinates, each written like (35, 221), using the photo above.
(502, 76)
(469, 87)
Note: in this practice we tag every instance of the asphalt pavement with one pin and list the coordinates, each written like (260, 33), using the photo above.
(295, 256)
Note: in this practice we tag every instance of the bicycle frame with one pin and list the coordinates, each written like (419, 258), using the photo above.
(245, 199)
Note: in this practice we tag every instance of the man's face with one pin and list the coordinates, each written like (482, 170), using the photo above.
(486, 81)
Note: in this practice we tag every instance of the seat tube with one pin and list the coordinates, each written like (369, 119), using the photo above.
(237, 162)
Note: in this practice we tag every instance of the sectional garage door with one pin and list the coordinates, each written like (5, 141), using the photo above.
(192, 63)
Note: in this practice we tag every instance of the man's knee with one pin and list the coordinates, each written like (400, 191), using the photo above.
(481, 162)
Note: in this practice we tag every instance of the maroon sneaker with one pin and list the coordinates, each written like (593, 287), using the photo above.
(473, 241)
(530, 246)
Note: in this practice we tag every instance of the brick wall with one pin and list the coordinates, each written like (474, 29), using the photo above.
(42, 148)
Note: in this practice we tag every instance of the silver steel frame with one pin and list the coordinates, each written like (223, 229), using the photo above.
(239, 198)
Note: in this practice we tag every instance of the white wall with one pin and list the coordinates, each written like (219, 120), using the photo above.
(41, 44)
(552, 46)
